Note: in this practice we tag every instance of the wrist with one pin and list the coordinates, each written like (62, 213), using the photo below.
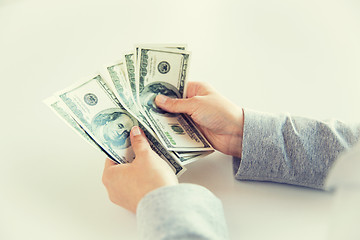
(237, 134)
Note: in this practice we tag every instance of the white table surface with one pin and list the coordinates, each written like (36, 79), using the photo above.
(300, 57)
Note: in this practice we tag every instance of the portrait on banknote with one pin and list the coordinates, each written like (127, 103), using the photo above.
(113, 127)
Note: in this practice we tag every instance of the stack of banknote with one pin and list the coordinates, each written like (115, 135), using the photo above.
(104, 108)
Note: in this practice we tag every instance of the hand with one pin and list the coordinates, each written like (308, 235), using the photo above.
(219, 120)
(127, 184)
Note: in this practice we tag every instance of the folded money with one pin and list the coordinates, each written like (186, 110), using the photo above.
(103, 109)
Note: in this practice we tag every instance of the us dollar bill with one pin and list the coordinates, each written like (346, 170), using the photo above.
(96, 109)
(164, 71)
(131, 60)
(100, 115)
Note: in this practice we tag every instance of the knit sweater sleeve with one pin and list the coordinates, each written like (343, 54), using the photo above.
(293, 150)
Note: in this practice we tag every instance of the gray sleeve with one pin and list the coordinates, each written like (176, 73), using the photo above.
(293, 150)
(184, 211)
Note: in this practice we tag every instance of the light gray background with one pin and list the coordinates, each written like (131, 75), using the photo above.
(300, 57)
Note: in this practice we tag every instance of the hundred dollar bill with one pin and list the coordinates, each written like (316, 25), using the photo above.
(131, 63)
(164, 71)
(94, 106)
(96, 109)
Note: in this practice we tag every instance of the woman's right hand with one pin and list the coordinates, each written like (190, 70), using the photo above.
(219, 120)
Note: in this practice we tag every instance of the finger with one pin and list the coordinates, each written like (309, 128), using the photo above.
(139, 141)
(109, 163)
(176, 105)
(105, 177)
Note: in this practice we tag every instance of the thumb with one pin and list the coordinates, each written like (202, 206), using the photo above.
(175, 105)
(139, 141)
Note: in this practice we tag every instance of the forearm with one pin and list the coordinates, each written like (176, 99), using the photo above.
(184, 211)
(292, 150)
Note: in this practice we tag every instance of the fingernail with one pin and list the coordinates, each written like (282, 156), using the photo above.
(135, 131)
(161, 99)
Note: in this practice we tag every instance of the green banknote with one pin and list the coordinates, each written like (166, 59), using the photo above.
(131, 60)
(164, 71)
(93, 105)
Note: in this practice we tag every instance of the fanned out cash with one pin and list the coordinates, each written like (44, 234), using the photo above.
(104, 108)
